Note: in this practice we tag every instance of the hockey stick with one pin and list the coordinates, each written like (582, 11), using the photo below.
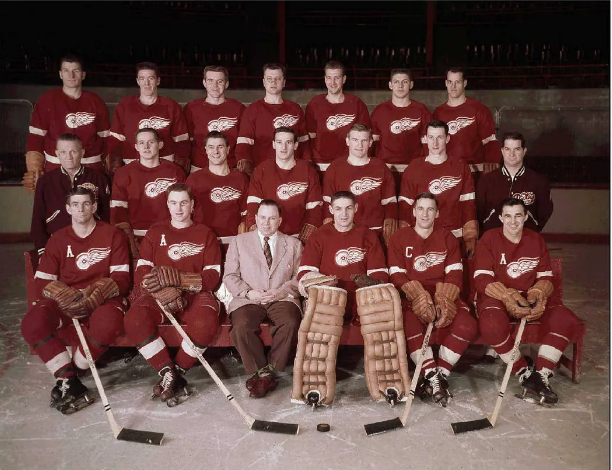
(395, 423)
(485, 423)
(254, 424)
(122, 434)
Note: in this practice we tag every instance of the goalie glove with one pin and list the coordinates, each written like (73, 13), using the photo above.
(515, 303)
(171, 299)
(35, 164)
(315, 279)
(445, 297)
(470, 236)
(168, 276)
(537, 296)
(93, 296)
(306, 232)
(422, 305)
(389, 228)
(363, 280)
(129, 233)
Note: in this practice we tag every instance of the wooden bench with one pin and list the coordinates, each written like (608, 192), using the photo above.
(351, 334)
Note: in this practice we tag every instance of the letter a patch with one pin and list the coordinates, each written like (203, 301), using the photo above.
(163, 240)
(69, 253)
(503, 259)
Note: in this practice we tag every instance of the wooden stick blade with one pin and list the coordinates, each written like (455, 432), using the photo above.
(279, 428)
(383, 426)
(475, 425)
(143, 437)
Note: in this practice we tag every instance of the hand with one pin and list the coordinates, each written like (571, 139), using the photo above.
(246, 166)
(30, 178)
(252, 228)
(469, 246)
(363, 280)
(150, 281)
(537, 310)
(446, 310)
(242, 228)
(256, 295)
(423, 308)
(389, 228)
(329, 220)
(273, 295)
(516, 304)
(489, 167)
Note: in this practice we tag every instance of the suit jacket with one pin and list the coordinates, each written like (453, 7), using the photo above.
(246, 268)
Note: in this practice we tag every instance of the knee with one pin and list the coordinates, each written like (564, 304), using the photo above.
(36, 325)
(565, 320)
(493, 323)
(138, 319)
(106, 324)
(467, 326)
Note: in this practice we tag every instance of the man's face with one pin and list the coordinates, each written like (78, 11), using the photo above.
(147, 145)
(284, 145)
(180, 206)
(513, 153)
(81, 209)
(455, 84)
(148, 81)
(268, 220)
(513, 218)
(359, 142)
(343, 210)
(274, 82)
(71, 74)
(217, 150)
(334, 81)
(425, 213)
(437, 140)
(70, 154)
(215, 84)
(400, 85)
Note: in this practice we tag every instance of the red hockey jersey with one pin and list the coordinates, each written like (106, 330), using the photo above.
(220, 201)
(139, 194)
(56, 113)
(297, 191)
(329, 123)
(203, 117)
(165, 116)
(257, 127)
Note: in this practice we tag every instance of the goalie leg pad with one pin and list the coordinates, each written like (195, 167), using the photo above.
(382, 326)
(314, 369)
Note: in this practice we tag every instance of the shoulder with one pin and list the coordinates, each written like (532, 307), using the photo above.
(316, 99)
(290, 241)
(127, 101)
(292, 105)
(232, 103)
(255, 105)
(441, 108)
(165, 101)
(381, 107)
(353, 99)
(416, 164)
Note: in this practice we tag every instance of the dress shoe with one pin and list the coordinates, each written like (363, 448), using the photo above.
(264, 385)
(250, 383)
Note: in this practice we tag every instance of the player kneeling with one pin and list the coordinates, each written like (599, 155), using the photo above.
(513, 277)
(84, 274)
(425, 262)
(179, 266)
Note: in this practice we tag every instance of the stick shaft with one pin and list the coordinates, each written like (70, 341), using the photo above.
(206, 365)
(417, 373)
(92, 365)
(504, 384)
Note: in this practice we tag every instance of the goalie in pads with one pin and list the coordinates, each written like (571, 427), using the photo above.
(83, 273)
(353, 285)
(425, 263)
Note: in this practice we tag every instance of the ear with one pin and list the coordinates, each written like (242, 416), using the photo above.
(158, 80)
(464, 83)
(273, 144)
(95, 206)
(356, 207)
(331, 211)
(411, 85)
(447, 138)
(68, 209)
(295, 145)
(390, 85)
(524, 152)
(500, 218)
(226, 84)
(84, 75)
(161, 144)
(204, 82)
(437, 214)
(343, 79)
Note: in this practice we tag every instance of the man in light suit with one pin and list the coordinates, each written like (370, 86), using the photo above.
(261, 274)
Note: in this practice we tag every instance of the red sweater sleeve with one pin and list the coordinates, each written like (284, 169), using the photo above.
(314, 204)
(119, 209)
(395, 260)
(256, 194)
(246, 135)
(484, 265)
(179, 133)
(120, 262)
(407, 195)
(376, 263)
(453, 269)
(303, 151)
(468, 196)
(486, 132)
(389, 198)
(211, 271)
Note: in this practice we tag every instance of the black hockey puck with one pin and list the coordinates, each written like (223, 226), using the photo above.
(323, 427)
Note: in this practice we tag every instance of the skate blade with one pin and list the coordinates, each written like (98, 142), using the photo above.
(534, 401)
(180, 397)
(383, 426)
(475, 425)
(76, 405)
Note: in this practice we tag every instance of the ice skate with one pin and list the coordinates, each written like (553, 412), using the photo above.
(440, 391)
(424, 389)
(535, 382)
(70, 395)
(172, 387)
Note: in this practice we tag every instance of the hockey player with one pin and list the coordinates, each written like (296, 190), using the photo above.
(137, 198)
(368, 179)
(261, 118)
(49, 213)
(329, 115)
(293, 183)
(513, 278)
(471, 126)
(343, 274)
(425, 263)
(148, 110)
(517, 181)
(214, 113)
(69, 109)
(398, 125)
(83, 273)
(179, 266)
(450, 181)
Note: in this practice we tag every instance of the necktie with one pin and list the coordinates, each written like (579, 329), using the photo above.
(267, 252)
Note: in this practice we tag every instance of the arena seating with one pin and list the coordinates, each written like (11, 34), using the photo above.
(351, 334)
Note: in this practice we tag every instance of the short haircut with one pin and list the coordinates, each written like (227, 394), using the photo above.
(72, 59)
(335, 65)
(270, 202)
(147, 66)
(426, 195)
(342, 195)
(179, 188)
(514, 136)
(358, 127)
(275, 66)
(67, 137)
(456, 69)
(400, 71)
(437, 124)
(148, 129)
(216, 68)
(286, 129)
(513, 201)
(216, 135)
(80, 191)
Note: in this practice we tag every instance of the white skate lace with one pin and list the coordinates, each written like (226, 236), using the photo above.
(64, 387)
(545, 376)
(435, 382)
(167, 380)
